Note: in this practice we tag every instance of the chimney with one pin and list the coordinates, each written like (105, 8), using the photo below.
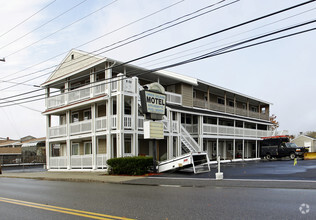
(301, 133)
(8, 138)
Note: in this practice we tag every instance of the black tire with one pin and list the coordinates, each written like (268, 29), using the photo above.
(268, 156)
(292, 156)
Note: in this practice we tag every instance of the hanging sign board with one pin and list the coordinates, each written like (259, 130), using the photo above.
(153, 102)
(153, 130)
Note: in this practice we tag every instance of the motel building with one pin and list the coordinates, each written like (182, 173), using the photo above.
(93, 113)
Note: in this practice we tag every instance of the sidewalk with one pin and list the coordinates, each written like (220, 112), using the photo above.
(102, 177)
(71, 176)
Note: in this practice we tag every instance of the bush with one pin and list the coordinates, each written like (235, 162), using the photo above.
(130, 165)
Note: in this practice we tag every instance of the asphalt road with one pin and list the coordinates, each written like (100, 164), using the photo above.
(266, 170)
(151, 202)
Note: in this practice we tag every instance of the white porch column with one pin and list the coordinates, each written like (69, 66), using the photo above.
(170, 137)
(68, 143)
(224, 150)
(120, 115)
(109, 105)
(179, 151)
(243, 149)
(48, 125)
(200, 132)
(93, 137)
(256, 149)
(217, 148)
(135, 148)
(234, 149)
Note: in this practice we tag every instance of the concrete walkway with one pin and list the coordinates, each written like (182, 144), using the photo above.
(71, 176)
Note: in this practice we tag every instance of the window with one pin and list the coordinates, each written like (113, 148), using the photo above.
(72, 56)
(263, 110)
(244, 106)
(231, 103)
(194, 94)
(128, 145)
(254, 109)
(75, 117)
(220, 101)
(75, 149)
(87, 115)
(87, 148)
(62, 120)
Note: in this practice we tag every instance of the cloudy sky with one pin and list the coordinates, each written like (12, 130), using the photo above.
(35, 36)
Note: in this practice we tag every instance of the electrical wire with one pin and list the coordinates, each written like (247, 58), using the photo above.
(28, 18)
(106, 34)
(256, 19)
(68, 10)
(218, 52)
(63, 28)
(92, 53)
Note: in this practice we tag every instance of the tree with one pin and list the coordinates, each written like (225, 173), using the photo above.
(275, 123)
(311, 134)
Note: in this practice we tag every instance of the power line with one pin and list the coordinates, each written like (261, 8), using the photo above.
(68, 10)
(220, 51)
(28, 18)
(91, 53)
(51, 34)
(106, 34)
(247, 22)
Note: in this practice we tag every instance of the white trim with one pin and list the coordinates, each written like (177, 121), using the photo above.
(218, 116)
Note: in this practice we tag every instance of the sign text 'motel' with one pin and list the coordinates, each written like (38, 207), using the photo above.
(153, 102)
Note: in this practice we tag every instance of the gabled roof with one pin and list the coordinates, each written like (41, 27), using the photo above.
(74, 61)
(302, 135)
(10, 143)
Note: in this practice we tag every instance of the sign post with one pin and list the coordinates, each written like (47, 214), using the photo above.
(153, 101)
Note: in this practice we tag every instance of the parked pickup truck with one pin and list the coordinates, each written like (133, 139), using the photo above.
(280, 146)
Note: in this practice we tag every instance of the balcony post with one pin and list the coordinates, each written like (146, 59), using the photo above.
(225, 101)
(92, 82)
(208, 97)
(135, 116)
(234, 149)
(243, 149)
(179, 152)
(200, 131)
(248, 107)
(235, 104)
(120, 115)
(256, 148)
(48, 124)
(68, 142)
(93, 137)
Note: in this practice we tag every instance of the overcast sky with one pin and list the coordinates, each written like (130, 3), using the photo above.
(280, 72)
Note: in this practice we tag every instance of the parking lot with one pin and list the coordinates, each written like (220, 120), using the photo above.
(262, 169)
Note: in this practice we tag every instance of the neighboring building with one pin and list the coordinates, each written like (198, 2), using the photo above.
(10, 151)
(26, 150)
(305, 141)
(93, 113)
(34, 150)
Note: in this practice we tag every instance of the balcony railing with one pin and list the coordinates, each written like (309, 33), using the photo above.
(234, 131)
(75, 95)
(200, 103)
(174, 98)
(58, 131)
(81, 161)
(140, 123)
(128, 121)
(58, 162)
(101, 123)
(80, 127)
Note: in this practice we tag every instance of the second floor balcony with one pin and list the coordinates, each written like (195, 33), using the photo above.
(200, 103)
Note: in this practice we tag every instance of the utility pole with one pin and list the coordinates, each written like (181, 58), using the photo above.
(3, 59)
